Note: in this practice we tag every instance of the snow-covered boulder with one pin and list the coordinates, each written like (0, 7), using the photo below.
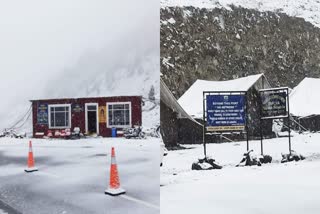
(205, 164)
(294, 156)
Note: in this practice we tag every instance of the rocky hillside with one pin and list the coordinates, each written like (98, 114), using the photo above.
(221, 44)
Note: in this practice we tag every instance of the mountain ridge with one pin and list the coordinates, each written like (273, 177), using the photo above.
(222, 44)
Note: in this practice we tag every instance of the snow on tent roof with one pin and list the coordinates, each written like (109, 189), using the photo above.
(192, 100)
(304, 99)
(167, 97)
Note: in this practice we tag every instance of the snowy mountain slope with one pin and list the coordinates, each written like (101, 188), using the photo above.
(87, 48)
(307, 9)
(103, 49)
(122, 82)
(133, 74)
(221, 44)
(131, 78)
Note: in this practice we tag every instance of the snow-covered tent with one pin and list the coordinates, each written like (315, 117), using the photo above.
(172, 117)
(305, 103)
(169, 100)
(192, 100)
(305, 98)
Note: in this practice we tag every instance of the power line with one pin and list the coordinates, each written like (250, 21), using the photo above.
(24, 122)
(27, 114)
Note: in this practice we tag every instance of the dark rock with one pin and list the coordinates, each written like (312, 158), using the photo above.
(213, 163)
(249, 160)
(265, 159)
(205, 164)
(203, 44)
(198, 166)
(294, 156)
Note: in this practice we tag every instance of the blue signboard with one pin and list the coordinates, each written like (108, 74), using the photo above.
(42, 114)
(225, 112)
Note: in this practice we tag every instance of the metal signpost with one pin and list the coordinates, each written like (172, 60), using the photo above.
(274, 105)
(224, 111)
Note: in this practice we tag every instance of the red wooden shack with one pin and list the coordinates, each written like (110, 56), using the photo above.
(94, 115)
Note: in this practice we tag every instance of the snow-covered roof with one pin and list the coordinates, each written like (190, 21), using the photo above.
(80, 98)
(168, 98)
(305, 98)
(192, 100)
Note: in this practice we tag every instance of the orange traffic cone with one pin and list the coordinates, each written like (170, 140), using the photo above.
(114, 184)
(31, 167)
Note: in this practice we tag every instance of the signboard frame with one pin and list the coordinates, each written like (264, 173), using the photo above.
(103, 114)
(42, 114)
(275, 91)
(205, 131)
(77, 107)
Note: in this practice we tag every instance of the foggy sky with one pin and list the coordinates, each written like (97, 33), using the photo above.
(41, 41)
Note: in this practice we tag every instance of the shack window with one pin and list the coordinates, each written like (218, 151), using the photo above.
(60, 116)
(119, 114)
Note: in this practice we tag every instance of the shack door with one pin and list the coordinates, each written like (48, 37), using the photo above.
(92, 118)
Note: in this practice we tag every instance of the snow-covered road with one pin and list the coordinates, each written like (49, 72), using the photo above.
(273, 188)
(73, 175)
(6, 209)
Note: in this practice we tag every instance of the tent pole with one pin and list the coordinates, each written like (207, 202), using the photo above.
(246, 126)
(261, 134)
(261, 137)
(289, 122)
(204, 128)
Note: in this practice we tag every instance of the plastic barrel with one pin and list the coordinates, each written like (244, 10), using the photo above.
(114, 132)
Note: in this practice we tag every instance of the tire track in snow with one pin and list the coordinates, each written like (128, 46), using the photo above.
(6, 209)
(147, 204)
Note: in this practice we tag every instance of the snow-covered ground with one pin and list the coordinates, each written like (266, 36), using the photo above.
(272, 188)
(73, 175)
(307, 9)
